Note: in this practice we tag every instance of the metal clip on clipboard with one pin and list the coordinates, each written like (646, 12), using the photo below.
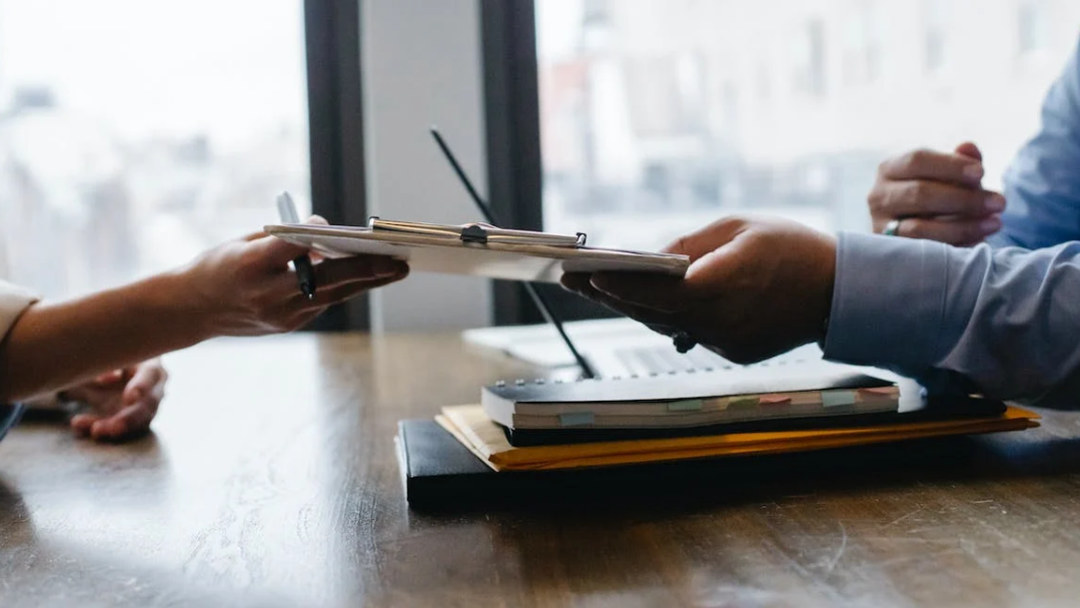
(480, 234)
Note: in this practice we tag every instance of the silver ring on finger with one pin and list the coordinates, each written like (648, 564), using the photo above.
(892, 228)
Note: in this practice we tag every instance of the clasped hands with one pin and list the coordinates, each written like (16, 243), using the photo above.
(937, 196)
(758, 287)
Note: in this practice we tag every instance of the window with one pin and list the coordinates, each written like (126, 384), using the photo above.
(808, 57)
(658, 116)
(862, 37)
(135, 134)
(1032, 27)
(938, 16)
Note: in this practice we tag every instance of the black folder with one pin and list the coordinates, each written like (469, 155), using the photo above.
(441, 474)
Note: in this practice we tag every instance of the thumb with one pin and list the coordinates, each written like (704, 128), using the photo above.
(702, 242)
(148, 380)
(969, 150)
(662, 293)
(278, 252)
(275, 253)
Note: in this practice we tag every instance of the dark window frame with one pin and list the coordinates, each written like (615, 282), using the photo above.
(336, 131)
(514, 164)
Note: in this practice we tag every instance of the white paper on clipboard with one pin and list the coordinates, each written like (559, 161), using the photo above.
(517, 261)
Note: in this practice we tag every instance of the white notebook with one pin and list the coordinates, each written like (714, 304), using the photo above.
(688, 399)
(474, 249)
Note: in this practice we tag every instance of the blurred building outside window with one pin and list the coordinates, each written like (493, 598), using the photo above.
(658, 116)
(134, 134)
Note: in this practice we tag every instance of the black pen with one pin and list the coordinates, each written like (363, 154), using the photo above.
(305, 272)
(541, 304)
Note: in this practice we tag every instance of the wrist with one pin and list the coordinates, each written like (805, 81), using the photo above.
(887, 300)
(188, 308)
(826, 282)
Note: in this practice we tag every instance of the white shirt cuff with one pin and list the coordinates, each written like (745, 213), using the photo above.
(13, 301)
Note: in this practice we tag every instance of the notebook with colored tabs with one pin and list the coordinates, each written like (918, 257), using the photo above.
(542, 411)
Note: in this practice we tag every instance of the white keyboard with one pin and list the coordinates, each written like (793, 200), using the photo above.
(615, 347)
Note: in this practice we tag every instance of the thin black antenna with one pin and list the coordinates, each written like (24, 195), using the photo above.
(541, 303)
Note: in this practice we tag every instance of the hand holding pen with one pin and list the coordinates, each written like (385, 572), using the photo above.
(305, 273)
(337, 279)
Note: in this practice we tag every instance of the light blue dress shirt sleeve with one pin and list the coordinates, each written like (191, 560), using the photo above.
(1004, 322)
(1042, 185)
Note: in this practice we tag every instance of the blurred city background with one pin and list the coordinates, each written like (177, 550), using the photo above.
(660, 115)
(135, 134)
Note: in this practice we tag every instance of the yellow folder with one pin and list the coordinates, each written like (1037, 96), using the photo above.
(479, 434)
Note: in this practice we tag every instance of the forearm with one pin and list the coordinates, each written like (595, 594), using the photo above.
(54, 345)
(1003, 323)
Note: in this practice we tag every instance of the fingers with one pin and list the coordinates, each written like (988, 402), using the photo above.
(659, 322)
(109, 377)
(81, 423)
(576, 282)
(703, 241)
(131, 421)
(343, 292)
(922, 198)
(329, 273)
(324, 299)
(147, 381)
(255, 236)
(633, 294)
(274, 253)
(928, 164)
(955, 231)
(969, 150)
(140, 400)
(659, 294)
(580, 283)
(937, 196)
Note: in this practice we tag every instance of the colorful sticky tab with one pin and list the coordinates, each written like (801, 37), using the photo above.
(837, 398)
(882, 391)
(774, 400)
(576, 418)
(686, 405)
(737, 402)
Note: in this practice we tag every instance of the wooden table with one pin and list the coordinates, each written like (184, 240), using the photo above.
(270, 479)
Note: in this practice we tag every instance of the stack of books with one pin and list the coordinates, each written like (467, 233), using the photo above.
(543, 425)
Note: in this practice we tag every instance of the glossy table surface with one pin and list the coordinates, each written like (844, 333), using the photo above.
(270, 479)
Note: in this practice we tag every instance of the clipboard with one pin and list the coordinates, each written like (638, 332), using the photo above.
(477, 249)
